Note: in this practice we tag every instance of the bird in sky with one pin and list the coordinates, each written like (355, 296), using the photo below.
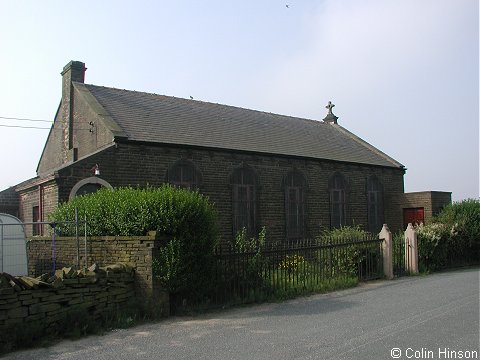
(287, 6)
(191, 97)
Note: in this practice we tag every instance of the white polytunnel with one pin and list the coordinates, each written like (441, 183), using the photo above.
(13, 246)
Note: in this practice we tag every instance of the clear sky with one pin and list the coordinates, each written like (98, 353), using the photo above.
(403, 74)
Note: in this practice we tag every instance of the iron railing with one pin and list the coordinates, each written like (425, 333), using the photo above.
(290, 268)
(399, 258)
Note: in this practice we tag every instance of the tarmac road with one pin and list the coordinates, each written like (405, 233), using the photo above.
(423, 317)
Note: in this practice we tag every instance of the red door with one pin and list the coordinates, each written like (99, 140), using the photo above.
(414, 216)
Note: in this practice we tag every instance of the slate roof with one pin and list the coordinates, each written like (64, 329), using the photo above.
(164, 119)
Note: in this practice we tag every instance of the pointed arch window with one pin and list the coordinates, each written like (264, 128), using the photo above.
(295, 187)
(244, 202)
(375, 204)
(184, 174)
(338, 201)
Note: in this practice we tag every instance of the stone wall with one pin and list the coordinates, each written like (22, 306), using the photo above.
(84, 135)
(9, 202)
(431, 201)
(139, 251)
(27, 301)
(45, 196)
(78, 133)
(133, 164)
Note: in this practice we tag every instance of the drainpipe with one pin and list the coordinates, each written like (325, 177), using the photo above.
(40, 207)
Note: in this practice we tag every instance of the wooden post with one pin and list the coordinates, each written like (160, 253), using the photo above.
(387, 250)
(411, 250)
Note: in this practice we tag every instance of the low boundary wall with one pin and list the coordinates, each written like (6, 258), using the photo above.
(137, 250)
(26, 301)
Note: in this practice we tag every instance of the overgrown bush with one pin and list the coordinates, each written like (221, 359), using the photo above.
(350, 233)
(254, 244)
(295, 271)
(463, 220)
(464, 216)
(292, 263)
(254, 249)
(255, 274)
(346, 260)
(433, 243)
(186, 218)
(248, 270)
(296, 276)
(453, 237)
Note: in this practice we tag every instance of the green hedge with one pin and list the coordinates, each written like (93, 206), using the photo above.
(185, 263)
(130, 211)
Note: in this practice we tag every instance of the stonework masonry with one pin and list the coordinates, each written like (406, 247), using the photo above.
(138, 251)
(46, 306)
(127, 164)
(431, 201)
(9, 202)
(121, 131)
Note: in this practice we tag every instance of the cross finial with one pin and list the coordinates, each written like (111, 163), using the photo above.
(330, 107)
(331, 118)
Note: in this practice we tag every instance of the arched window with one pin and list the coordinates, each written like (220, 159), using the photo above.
(88, 186)
(244, 202)
(375, 204)
(338, 201)
(88, 189)
(184, 174)
(295, 186)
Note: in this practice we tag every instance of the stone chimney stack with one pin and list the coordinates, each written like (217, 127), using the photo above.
(73, 71)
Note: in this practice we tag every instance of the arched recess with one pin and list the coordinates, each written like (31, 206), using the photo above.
(337, 187)
(244, 200)
(88, 186)
(295, 186)
(183, 173)
(375, 204)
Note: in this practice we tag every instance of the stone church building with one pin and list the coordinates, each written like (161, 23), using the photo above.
(294, 176)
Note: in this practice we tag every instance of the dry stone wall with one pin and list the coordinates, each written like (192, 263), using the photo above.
(46, 300)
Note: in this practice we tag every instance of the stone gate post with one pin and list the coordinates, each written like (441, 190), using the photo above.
(411, 250)
(387, 250)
